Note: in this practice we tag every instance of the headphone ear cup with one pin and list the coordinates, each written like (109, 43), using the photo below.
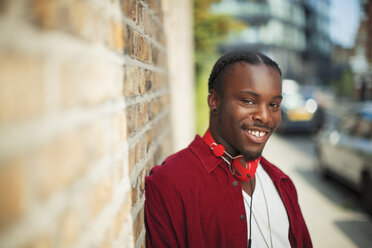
(238, 165)
(252, 165)
(218, 150)
(249, 169)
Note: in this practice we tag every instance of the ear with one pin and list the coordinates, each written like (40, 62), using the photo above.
(214, 101)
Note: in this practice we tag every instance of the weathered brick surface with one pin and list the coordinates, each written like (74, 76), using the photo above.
(70, 224)
(58, 164)
(22, 88)
(84, 90)
(12, 177)
(44, 240)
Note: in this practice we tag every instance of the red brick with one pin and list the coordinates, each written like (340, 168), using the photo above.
(115, 140)
(138, 152)
(148, 139)
(122, 127)
(96, 82)
(58, 164)
(94, 139)
(106, 242)
(44, 240)
(142, 48)
(130, 87)
(131, 117)
(12, 178)
(150, 165)
(142, 183)
(142, 81)
(69, 90)
(143, 154)
(140, 8)
(130, 37)
(155, 6)
(117, 36)
(155, 55)
(21, 77)
(130, 9)
(45, 13)
(87, 82)
(79, 16)
(122, 215)
(138, 225)
(133, 157)
(100, 195)
(70, 228)
(142, 115)
(134, 194)
(144, 19)
(155, 107)
(160, 81)
(149, 76)
(154, 29)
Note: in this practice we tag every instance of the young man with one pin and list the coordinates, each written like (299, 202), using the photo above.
(220, 191)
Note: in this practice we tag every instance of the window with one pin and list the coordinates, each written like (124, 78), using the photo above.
(347, 125)
(364, 129)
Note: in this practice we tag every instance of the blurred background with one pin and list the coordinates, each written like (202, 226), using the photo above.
(93, 94)
(324, 48)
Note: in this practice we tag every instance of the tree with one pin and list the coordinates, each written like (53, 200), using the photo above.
(209, 30)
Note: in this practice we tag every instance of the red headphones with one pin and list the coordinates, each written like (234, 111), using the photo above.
(243, 173)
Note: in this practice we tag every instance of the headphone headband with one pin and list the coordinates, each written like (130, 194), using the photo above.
(244, 172)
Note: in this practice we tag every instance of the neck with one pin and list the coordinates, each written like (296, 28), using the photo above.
(219, 140)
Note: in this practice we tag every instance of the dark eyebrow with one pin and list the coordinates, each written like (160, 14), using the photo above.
(251, 93)
(278, 97)
(257, 95)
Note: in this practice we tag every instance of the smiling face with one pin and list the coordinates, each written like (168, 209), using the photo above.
(249, 110)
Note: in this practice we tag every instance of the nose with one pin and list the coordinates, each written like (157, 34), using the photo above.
(262, 114)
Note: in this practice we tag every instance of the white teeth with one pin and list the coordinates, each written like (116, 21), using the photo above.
(256, 133)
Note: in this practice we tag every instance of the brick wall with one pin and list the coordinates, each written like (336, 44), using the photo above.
(84, 115)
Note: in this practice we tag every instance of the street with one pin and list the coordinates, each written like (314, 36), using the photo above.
(332, 212)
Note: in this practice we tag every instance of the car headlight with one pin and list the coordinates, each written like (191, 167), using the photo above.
(311, 106)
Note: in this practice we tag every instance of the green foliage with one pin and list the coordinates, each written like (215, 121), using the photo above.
(202, 111)
(344, 86)
(209, 30)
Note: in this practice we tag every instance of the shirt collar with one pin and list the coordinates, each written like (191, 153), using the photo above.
(274, 172)
(210, 161)
(205, 154)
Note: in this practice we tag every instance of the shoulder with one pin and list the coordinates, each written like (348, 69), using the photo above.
(177, 170)
(176, 164)
(272, 170)
(277, 175)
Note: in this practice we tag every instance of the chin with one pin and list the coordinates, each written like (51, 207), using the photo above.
(249, 156)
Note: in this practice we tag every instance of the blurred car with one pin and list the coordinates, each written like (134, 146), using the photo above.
(314, 92)
(298, 114)
(344, 151)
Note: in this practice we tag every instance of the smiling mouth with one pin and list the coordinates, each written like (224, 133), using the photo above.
(256, 136)
(256, 133)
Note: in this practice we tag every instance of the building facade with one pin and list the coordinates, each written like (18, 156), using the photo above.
(293, 32)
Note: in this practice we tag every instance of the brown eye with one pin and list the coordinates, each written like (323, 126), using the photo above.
(275, 105)
(248, 101)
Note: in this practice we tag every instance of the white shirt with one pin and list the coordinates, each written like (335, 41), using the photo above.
(279, 223)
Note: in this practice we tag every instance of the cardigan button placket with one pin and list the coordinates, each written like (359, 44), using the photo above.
(242, 217)
(235, 183)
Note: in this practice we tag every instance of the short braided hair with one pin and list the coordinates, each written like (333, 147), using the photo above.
(224, 62)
